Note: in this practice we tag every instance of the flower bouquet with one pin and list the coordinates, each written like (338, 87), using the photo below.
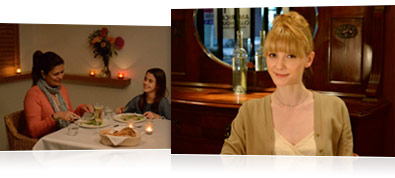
(105, 46)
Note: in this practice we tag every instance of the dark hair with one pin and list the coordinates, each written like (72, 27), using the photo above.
(160, 84)
(44, 62)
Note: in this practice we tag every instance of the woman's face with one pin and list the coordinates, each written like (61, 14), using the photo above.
(149, 83)
(287, 69)
(54, 76)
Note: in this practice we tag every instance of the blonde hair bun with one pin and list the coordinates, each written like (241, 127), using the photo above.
(290, 34)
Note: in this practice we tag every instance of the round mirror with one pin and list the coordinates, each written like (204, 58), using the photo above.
(216, 29)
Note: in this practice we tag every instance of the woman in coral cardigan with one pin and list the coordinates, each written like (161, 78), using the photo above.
(47, 104)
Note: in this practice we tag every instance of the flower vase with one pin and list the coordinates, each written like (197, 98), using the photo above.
(106, 70)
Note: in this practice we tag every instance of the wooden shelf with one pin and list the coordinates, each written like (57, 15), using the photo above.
(96, 81)
(15, 77)
(75, 79)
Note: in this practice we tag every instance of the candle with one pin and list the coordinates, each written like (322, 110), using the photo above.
(18, 71)
(121, 75)
(92, 73)
(149, 127)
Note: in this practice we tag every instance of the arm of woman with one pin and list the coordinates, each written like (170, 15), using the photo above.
(39, 122)
(132, 105)
(345, 145)
(235, 144)
(165, 109)
(82, 108)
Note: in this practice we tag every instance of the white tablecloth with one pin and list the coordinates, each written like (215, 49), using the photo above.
(88, 138)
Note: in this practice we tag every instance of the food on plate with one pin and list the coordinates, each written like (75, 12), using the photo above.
(127, 117)
(96, 122)
(124, 132)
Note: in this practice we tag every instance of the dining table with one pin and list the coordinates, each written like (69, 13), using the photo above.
(89, 138)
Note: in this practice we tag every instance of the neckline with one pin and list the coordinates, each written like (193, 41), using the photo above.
(297, 143)
(278, 102)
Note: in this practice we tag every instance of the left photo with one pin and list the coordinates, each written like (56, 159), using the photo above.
(84, 87)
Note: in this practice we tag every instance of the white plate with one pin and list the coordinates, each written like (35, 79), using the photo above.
(104, 124)
(118, 117)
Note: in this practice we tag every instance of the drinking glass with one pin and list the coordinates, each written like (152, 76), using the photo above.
(98, 115)
(108, 113)
(72, 129)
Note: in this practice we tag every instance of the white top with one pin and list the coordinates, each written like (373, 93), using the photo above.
(305, 147)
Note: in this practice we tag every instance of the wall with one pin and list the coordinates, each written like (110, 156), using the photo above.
(145, 47)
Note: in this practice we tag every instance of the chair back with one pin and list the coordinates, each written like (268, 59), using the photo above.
(18, 137)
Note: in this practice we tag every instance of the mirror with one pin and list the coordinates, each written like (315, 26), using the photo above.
(216, 29)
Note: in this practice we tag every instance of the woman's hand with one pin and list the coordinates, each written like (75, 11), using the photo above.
(151, 115)
(120, 110)
(87, 108)
(66, 115)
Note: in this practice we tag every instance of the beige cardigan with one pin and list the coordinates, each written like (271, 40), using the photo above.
(253, 134)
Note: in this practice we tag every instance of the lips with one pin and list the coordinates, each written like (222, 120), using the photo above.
(281, 75)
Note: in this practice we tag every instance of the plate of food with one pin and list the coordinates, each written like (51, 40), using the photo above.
(93, 123)
(129, 116)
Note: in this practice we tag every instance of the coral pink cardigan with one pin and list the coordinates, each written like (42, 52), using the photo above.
(38, 111)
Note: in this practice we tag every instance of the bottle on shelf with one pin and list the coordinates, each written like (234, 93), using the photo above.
(239, 65)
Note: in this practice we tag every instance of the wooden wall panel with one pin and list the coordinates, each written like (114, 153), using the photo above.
(345, 64)
(9, 49)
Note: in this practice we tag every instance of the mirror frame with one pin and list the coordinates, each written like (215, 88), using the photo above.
(220, 61)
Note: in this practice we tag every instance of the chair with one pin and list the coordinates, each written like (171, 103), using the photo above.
(18, 137)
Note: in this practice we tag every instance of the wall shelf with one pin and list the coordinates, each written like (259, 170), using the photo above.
(75, 79)
(96, 81)
(14, 78)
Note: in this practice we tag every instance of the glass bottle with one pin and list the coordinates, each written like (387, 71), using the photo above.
(239, 65)
(260, 60)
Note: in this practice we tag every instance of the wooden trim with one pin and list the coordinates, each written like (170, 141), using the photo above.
(75, 79)
(14, 78)
(373, 89)
(201, 103)
(96, 81)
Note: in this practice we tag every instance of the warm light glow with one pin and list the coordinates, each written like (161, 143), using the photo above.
(18, 71)
(92, 73)
(149, 130)
(149, 127)
(121, 75)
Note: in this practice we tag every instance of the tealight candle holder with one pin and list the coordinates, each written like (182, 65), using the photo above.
(149, 127)
(120, 75)
(18, 71)
(130, 124)
(92, 73)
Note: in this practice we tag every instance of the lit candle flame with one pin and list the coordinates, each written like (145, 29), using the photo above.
(18, 71)
(92, 73)
(120, 75)
(149, 129)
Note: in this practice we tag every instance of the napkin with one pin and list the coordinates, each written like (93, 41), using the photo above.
(116, 140)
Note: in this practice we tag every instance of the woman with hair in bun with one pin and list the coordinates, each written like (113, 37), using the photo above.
(292, 120)
(47, 104)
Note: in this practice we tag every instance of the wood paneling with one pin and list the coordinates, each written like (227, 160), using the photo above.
(346, 53)
(9, 49)
(200, 116)
(353, 69)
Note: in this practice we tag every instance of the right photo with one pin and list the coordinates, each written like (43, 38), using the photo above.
(308, 81)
